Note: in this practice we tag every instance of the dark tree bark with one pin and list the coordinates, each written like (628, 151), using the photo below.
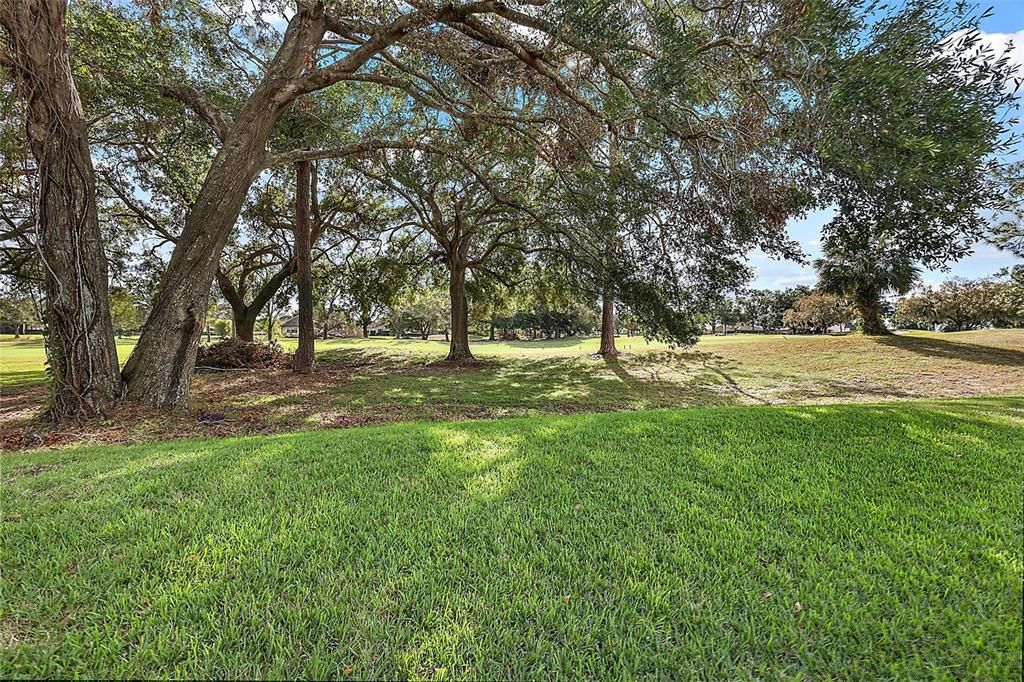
(458, 347)
(159, 371)
(607, 348)
(245, 324)
(304, 355)
(366, 328)
(80, 343)
(244, 315)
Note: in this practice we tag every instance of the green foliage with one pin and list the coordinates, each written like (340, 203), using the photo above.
(865, 271)
(765, 308)
(124, 311)
(816, 312)
(959, 304)
(371, 284)
(862, 272)
(1008, 228)
(18, 304)
(737, 542)
(424, 310)
(548, 323)
(915, 124)
(222, 328)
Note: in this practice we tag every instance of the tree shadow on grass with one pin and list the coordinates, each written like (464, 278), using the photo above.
(18, 379)
(351, 388)
(536, 344)
(954, 350)
(766, 386)
(619, 545)
(550, 384)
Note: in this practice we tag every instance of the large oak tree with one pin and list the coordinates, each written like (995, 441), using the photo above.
(80, 349)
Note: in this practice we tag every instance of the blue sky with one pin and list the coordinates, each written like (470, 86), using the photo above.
(1006, 23)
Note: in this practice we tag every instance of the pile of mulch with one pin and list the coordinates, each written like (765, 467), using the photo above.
(238, 354)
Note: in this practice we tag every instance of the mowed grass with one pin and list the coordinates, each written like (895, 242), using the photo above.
(827, 542)
(23, 360)
(381, 380)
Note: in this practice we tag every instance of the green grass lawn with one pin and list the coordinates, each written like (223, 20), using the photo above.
(381, 380)
(22, 361)
(842, 542)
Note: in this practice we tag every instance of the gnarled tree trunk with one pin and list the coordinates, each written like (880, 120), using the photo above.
(159, 371)
(244, 324)
(244, 315)
(458, 347)
(607, 348)
(80, 343)
(304, 356)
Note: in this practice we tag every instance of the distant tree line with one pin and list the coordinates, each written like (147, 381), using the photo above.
(960, 304)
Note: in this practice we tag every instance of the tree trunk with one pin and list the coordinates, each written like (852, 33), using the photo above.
(80, 344)
(458, 347)
(366, 330)
(304, 357)
(159, 371)
(491, 337)
(607, 348)
(244, 324)
(869, 310)
(244, 316)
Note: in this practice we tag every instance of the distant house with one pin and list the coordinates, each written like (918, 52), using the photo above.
(336, 329)
(290, 327)
(9, 327)
(380, 327)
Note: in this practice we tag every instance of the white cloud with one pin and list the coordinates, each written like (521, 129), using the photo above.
(1011, 44)
(1014, 42)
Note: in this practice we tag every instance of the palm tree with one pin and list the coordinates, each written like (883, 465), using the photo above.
(862, 276)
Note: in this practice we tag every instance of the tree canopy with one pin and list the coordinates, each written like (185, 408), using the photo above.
(634, 153)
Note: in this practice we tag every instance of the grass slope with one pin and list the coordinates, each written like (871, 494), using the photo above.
(371, 381)
(844, 541)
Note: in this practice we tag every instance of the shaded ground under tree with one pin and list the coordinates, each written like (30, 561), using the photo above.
(360, 383)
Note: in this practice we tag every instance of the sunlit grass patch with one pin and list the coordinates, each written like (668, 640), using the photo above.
(828, 542)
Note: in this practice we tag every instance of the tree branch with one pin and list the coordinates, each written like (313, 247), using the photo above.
(219, 121)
